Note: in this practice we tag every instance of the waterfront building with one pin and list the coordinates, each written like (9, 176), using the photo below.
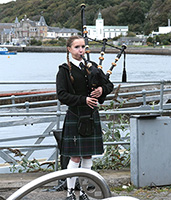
(56, 32)
(162, 30)
(25, 30)
(137, 41)
(6, 32)
(100, 31)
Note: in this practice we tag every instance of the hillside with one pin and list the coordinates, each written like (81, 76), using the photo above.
(142, 16)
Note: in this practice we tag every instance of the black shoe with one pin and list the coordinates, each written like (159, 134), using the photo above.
(83, 196)
(72, 195)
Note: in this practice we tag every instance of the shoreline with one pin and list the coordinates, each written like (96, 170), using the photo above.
(131, 50)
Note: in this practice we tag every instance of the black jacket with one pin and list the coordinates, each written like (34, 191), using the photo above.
(66, 93)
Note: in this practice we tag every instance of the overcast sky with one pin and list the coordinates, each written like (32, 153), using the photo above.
(5, 1)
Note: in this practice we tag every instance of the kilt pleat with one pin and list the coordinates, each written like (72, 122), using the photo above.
(73, 144)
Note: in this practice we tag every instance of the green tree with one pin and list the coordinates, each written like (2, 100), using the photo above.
(140, 15)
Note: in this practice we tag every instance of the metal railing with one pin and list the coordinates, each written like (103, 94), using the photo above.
(55, 116)
(142, 99)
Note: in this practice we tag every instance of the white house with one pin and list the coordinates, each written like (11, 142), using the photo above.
(99, 31)
(56, 32)
(162, 30)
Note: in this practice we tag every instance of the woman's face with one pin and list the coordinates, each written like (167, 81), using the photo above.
(77, 48)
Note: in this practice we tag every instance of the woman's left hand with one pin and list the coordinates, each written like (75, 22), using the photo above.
(97, 92)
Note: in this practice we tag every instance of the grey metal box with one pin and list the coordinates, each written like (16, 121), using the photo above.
(150, 150)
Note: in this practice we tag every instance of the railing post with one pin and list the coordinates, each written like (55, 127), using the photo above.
(57, 127)
(27, 106)
(58, 114)
(161, 94)
(13, 99)
(56, 158)
(144, 96)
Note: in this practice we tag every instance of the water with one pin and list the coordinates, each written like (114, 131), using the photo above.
(44, 66)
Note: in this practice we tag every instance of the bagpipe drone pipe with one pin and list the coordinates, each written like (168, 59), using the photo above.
(98, 77)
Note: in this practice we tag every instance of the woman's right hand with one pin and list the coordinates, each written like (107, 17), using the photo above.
(91, 102)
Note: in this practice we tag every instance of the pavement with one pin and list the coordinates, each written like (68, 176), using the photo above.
(118, 181)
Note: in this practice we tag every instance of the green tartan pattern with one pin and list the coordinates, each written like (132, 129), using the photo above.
(74, 144)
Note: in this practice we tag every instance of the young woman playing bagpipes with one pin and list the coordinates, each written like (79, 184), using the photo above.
(82, 133)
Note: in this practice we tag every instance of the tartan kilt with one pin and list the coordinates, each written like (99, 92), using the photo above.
(72, 143)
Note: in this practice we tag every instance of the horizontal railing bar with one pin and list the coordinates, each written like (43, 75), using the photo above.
(137, 85)
(26, 137)
(139, 92)
(155, 107)
(27, 82)
(101, 112)
(136, 112)
(32, 114)
(28, 95)
(54, 82)
(116, 143)
(29, 104)
(52, 145)
(29, 146)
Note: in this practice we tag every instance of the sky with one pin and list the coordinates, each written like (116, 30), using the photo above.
(5, 1)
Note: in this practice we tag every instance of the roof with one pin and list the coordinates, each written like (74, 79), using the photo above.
(68, 30)
(135, 39)
(115, 27)
(6, 25)
(42, 21)
(109, 27)
(32, 23)
(62, 30)
(16, 20)
(53, 29)
(99, 15)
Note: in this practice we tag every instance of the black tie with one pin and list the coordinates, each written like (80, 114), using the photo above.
(81, 65)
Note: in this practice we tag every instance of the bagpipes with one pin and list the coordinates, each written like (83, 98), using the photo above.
(97, 74)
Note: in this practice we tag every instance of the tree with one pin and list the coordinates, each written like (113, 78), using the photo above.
(140, 15)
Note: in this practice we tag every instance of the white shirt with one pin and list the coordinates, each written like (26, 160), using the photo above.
(76, 62)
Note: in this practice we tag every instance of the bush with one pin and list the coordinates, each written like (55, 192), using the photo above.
(166, 42)
(115, 156)
(35, 42)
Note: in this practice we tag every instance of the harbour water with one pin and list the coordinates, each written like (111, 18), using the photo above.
(44, 66)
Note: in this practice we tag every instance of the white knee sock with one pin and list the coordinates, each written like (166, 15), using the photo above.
(71, 181)
(87, 164)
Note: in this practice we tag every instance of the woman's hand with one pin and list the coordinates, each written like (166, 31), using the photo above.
(97, 92)
(91, 102)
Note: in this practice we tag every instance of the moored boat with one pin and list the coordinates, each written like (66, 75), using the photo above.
(4, 51)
